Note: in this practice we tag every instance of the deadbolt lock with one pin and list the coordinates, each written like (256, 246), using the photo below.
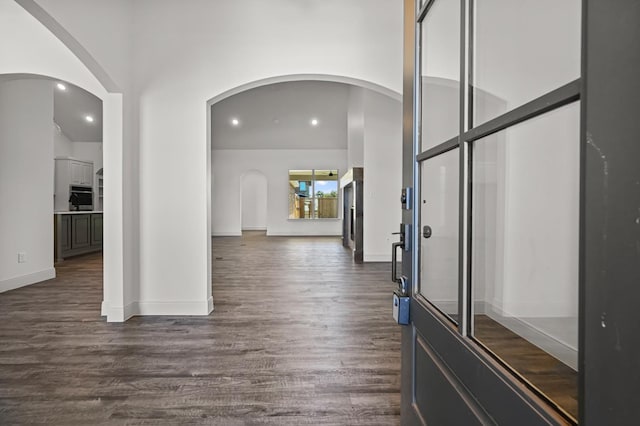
(426, 231)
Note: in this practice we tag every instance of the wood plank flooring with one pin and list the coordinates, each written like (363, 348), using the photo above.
(299, 335)
(556, 380)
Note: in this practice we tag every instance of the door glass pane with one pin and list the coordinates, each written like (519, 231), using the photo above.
(439, 211)
(524, 249)
(522, 50)
(440, 69)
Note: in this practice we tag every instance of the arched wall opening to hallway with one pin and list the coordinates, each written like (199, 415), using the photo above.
(383, 105)
(42, 119)
(42, 47)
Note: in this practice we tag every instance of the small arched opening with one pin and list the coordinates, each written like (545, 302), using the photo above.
(253, 208)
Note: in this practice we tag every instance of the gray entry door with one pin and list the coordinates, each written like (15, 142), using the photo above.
(493, 152)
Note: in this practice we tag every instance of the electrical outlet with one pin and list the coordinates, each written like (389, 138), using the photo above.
(22, 257)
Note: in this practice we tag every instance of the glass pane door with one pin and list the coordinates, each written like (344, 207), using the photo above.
(524, 246)
(498, 163)
(439, 221)
(522, 50)
(440, 79)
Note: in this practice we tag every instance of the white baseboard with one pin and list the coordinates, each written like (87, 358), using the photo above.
(175, 308)
(28, 279)
(377, 257)
(130, 310)
(545, 341)
(123, 313)
(301, 234)
(226, 234)
(254, 228)
(532, 308)
(118, 313)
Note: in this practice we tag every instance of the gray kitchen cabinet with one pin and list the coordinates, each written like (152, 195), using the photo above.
(66, 233)
(96, 230)
(80, 230)
(77, 233)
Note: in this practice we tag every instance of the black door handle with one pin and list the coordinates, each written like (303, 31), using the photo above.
(394, 261)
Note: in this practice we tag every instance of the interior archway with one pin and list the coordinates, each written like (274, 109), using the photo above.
(66, 60)
(382, 90)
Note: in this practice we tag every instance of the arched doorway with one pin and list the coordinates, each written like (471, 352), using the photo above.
(67, 60)
(254, 201)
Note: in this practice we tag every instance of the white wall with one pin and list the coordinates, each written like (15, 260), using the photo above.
(213, 47)
(542, 216)
(230, 165)
(254, 201)
(528, 185)
(355, 127)
(182, 54)
(62, 146)
(529, 62)
(26, 182)
(382, 174)
(439, 209)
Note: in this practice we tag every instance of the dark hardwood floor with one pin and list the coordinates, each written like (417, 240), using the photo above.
(299, 335)
(553, 378)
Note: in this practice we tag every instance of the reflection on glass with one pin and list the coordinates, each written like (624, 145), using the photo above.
(326, 194)
(524, 250)
(439, 210)
(440, 73)
(521, 51)
(300, 194)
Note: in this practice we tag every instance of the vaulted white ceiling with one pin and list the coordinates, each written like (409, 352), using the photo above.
(71, 106)
(279, 116)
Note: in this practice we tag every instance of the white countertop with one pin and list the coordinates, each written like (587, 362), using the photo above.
(80, 212)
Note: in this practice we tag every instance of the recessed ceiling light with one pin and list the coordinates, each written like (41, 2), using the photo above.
(61, 86)
(314, 121)
(88, 118)
(235, 122)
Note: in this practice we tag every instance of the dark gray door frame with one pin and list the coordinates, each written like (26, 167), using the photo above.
(609, 357)
(408, 156)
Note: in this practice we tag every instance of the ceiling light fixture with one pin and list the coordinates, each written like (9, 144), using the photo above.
(88, 118)
(314, 121)
(235, 121)
(61, 86)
